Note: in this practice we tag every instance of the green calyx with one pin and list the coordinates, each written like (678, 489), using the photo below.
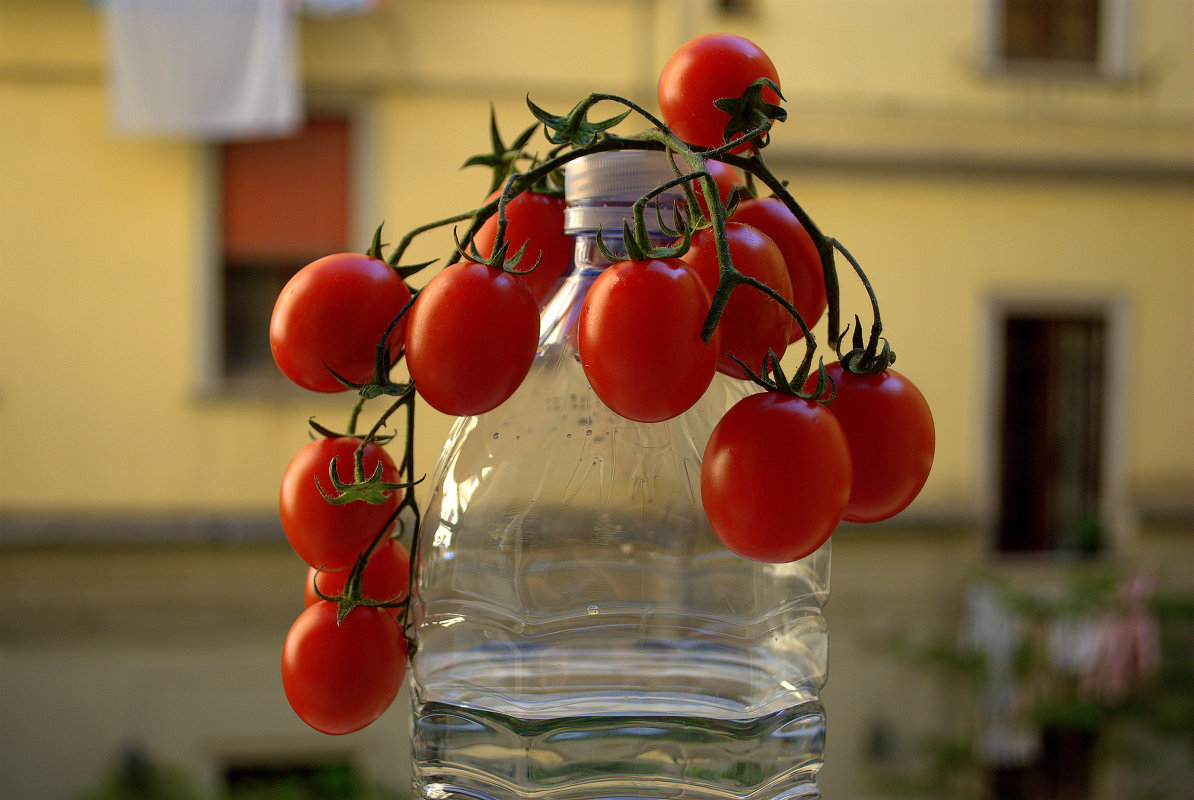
(574, 128)
(502, 158)
(750, 115)
(370, 489)
(772, 378)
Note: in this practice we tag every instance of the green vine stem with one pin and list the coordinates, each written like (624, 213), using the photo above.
(866, 359)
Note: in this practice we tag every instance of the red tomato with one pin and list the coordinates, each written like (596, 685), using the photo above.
(752, 322)
(889, 429)
(772, 217)
(705, 69)
(323, 534)
(331, 315)
(775, 477)
(471, 338)
(340, 677)
(639, 337)
(536, 220)
(386, 577)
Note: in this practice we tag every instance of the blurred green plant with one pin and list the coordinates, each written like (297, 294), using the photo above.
(332, 781)
(1098, 662)
(135, 776)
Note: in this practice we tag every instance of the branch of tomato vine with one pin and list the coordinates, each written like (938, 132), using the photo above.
(866, 359)
(352, 596)
(753, 166)
(575, 137)
(663, 138)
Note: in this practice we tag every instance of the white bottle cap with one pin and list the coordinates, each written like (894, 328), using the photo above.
(600, 188)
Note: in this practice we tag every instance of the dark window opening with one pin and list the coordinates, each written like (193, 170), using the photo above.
(1057, 31)
(1051, 433)
(284, 203)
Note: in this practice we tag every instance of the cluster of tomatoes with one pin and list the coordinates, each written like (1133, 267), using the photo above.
(853, 441)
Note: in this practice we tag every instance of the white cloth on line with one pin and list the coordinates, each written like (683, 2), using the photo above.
(213, 69)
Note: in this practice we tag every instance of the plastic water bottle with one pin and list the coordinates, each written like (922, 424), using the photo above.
(582, 632)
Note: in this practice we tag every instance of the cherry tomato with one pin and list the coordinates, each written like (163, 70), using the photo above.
(340, 677)
(775, 477)
(639, 336)
(772, 217)
(323, 534)
(889, 429)
(331, 316)
(752, 322)
(386, 577)
(535, 219)
(706, 69)
(471, 338)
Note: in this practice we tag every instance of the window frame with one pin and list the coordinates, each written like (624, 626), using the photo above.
(212, 379)
(1112, 503)
(1114, 61)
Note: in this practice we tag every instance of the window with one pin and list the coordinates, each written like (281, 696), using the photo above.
(1051, 30)
(1051, 432)
(1059, 37)
(284, 202)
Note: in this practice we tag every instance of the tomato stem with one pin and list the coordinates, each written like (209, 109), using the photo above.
(866, 359)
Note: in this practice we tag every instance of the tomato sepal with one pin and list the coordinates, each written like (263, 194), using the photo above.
(751, 116)
(866, 358)
(573, 127)
(501, 158)
(372, 490)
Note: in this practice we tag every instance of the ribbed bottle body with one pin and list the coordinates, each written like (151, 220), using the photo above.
(582, 633)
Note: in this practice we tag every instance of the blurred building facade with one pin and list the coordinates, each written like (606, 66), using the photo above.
(1019, 187)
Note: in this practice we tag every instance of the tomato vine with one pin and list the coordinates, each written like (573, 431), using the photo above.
(481, 289)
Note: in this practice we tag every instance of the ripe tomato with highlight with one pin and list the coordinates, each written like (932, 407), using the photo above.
(775, 477)
(639, 338)
(889, 429)
(471, 338)
(326, 535)
(330, 317)
(705, 69)
(340, 676)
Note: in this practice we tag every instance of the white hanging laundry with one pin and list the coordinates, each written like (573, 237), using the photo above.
(334, 8)
(213, 69)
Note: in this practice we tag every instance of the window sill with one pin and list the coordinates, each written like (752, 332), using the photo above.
(1031, 71)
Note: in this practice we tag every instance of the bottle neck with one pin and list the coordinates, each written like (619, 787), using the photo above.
(587, 256)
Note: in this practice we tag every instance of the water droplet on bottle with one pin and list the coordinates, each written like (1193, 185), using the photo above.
(593, 610)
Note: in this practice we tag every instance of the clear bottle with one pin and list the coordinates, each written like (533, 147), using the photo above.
(582, 632)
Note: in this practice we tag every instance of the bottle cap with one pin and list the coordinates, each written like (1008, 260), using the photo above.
(600, 188)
